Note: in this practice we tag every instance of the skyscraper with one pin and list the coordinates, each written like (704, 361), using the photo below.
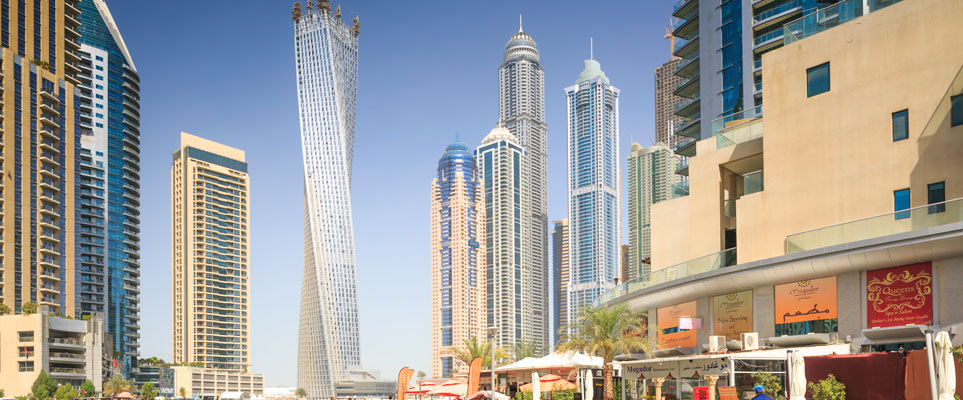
(457, 259)
(500, 168)
(593, 190)
(41, 147)
(560, 279)
(651, 176)
(665, 101)
(326, 55)
(521, 109)
(109, 181)
(210, 249)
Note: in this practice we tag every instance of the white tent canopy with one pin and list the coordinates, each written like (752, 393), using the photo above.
(556, 360)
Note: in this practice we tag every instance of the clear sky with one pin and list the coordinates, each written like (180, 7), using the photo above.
(224, 70)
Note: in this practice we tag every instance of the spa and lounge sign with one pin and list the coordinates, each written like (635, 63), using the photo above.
(808, 300)
(899, 296)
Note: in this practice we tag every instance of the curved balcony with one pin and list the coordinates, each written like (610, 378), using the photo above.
(689, 127)
(685, 8)
(688, 68)
(688, 108)
(688, 89)
(686, 149)
(688, 29)
(687, 49)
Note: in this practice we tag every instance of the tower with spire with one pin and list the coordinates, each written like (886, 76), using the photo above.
(521, 112)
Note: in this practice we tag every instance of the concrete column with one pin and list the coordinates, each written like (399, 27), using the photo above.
(658, 388)
(712, 379)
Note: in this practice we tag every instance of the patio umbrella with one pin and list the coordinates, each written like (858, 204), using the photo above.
(484, 395)
(550, 383)
(536, 387)
(797, 385)
(425, 387)
(945, 368)
(588, 385)
(124, 395)
(450, 389)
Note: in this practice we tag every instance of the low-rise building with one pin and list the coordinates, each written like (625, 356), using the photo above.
(162, 377)
(200, 382)
(70, 350)
(364, 385)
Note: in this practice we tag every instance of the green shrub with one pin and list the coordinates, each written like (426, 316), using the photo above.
(828, 389)
(771, 383)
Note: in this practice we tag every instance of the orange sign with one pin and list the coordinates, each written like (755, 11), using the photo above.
(899, 296)
(809, 300)
(732, 314)
(727, 393)
(668, 324)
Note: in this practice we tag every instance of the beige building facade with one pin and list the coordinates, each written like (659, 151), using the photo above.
(70, 350)
(199, 382)
(852, 180)
(210, 253)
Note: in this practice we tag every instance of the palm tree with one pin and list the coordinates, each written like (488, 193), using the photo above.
(301, 393)
(474, 349)
(525, 349)
(116, 385)
(606, 332)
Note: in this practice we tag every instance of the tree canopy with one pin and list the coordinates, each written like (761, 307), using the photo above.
(44, 387)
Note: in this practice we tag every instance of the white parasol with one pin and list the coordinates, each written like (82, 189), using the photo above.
(945, 367)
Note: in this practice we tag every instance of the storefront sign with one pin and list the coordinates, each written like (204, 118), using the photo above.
(900, 296)
(809, 300)
(732, 314)
(668, 319)
(698, 368)
(668, 369)
(727, 393)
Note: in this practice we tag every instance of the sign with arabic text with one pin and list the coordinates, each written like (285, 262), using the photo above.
(809, 300)
(698, 368)
(732, 314)
(899, 296)
(651, 370)
(670, 334)
(700, 393)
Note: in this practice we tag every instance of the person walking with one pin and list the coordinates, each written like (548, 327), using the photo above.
(761, 393)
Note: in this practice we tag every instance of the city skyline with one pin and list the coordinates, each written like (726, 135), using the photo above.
(209, 104)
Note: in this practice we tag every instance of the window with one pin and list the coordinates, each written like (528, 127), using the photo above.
(936, 193)
(817, 80)
(901, 201)
(900, 125)
(25, 366)
(25, 336)
(956, 110)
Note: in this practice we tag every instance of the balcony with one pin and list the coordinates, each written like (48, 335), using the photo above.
(684, 8)
(688, 68)
(688, 108)
(738, 127)
(688, 88)
(776, 15)
(830, 17)
(687, 49)
(688, 30)
(680, 189)
(767, 42)
(902, 221)
(711, 262)
(689, 127)
(683, 167)
(752, 182)
(686, 149)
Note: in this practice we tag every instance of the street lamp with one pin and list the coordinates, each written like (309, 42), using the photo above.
(491, 333)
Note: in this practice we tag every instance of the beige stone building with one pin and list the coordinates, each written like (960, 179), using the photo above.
(199, 382)
(71, 351)
(210, 253)
(852, 179)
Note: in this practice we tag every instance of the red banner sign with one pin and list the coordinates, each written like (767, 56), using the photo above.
(900, 296)
(700, 393)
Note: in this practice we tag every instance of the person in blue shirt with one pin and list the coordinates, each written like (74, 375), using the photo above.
(761, 393)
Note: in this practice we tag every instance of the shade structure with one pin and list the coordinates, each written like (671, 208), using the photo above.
(124, 395)
(450, 389)
(588, 385)
(484, 394)
(797, 378)
(424, 388)
(945, 366)
(550, 383)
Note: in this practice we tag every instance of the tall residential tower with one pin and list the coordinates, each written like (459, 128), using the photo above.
(457, 258)
(326, 55)
(560, 272)
(593, 178)
(210, 253)
(109, 195)
(651, 178)
(521, 110)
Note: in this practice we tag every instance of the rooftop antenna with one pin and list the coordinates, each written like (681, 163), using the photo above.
(457, 136)
(520, 22)
(591, 49)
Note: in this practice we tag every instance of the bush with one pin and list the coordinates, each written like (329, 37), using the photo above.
(563, 395)
(66, 392)
(828, 389)
(523, 396)
(771, 383)
(87, 389)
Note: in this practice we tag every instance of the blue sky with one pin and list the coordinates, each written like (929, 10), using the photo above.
(224, 70)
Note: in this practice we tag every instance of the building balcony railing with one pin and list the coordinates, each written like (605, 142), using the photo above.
(688, 88)
(772, 15)
(688, 68)
(711, 262)
(908, 220)
(739, 127)
(689, 127)
(680, 189)
(830, 17)
(688, 108)
(683, 8)
(688, 29)
(682, 168)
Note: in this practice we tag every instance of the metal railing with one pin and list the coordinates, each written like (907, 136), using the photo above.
(830, 17)
(711, 262)
(753, 182)
(901, 221)
(772, 12)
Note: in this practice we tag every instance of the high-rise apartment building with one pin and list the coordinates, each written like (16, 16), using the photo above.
(624, 262)
(210, 253)
(458, 252)
(521, 110)
(500, 169)
(593, 186)
(721, 47)
(109, 182)
(41, 147)
(560, 278)
(651, 178)
(326, 56)
(665, 101)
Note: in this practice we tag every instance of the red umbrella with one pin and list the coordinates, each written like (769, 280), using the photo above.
(451, 389)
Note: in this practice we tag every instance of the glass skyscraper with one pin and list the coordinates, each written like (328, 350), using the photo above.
(108, 199)
(457, 256)
(326, 52)
(521, 110)
(593, 187)
(651, 176)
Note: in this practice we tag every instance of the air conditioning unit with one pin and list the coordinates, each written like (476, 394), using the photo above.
(750, 341)
(717, 344)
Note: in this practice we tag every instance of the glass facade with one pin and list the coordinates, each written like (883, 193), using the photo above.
(108, 118)
(326, 57)
(732, 96)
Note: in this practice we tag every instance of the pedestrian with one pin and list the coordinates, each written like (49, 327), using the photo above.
(761, 393)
